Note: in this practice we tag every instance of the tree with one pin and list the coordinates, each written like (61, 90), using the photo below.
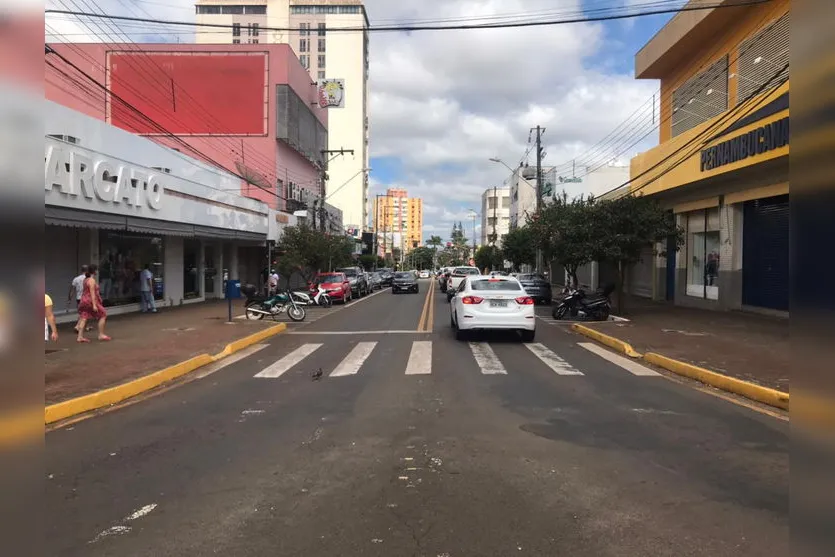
(489, 257)
(434, 242)
(518, 247)
(566, 231)
(625, 227)
(370, 261)
(306, 251)
(459, 242)
(422, 257)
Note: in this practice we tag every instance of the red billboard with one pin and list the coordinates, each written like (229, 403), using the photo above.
(190, 93)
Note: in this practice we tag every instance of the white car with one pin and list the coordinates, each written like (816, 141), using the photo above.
(424, 274)
(492, 303)
(456, 275)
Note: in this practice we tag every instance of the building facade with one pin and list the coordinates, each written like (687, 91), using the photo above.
(495, 215)
(249, 109)
(123, 201)
(337, 62)
(722, 163)
(398, 221)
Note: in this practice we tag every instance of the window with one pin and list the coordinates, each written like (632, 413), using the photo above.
(207, 10)
(255, 10)
(123, 256)
(325, 9)
(321, 60)
(703, 253)
(321, 30)
(495, 284)
(304, 45)
(236, 29)
(321, 45)
(305, 60)
(232, 10)
(255, 30)
(506, 202)
(491, 202)
(321, 74)
(304, 29)
(236, 41)
(701, 97)
(254, 41)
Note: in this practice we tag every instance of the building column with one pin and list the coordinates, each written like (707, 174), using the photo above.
(730, 256)
(234, 272)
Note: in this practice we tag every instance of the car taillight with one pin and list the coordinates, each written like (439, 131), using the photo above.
(524, 301)
(470, 300)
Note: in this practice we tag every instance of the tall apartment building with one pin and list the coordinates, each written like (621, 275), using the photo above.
(495, 215)
(338, 57)
(398, 221)
(722, 163)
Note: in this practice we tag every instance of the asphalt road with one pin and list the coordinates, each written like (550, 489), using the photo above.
(421, 446)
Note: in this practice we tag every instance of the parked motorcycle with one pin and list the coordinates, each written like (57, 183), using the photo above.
(577, 304)
(257, 307)
(318, 296)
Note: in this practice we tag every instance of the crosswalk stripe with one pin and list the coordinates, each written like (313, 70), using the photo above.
(354, 360)
(629, 365)
(486, 359)
(277, 369)
(550, 359)
(420, 358)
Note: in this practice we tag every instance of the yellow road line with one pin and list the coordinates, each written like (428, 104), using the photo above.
(430, 319)
(423, 314)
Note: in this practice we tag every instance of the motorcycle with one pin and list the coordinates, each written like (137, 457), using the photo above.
(257, 307)
(317, 297)
(577, 304)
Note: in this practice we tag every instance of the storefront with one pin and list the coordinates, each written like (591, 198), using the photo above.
(123, 202)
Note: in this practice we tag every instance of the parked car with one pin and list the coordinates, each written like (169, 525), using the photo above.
(337, 285)
(359, 283)
(443, 277)
(386, 276)
(537, 287)
(424, 274)
(375, 280)
(404, 281)
(483, 303)
(456, 276)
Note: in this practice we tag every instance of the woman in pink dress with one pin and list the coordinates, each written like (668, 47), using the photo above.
(90, 306)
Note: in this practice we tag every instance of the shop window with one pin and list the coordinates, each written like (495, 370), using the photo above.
(123, 256)
(703, 241)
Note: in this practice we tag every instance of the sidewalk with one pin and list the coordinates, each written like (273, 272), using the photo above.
(747, 346)
(142, 344)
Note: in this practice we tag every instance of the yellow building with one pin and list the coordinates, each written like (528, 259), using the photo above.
(722, 163)
(398, 221)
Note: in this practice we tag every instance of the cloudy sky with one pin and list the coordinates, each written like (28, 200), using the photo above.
(444, 102)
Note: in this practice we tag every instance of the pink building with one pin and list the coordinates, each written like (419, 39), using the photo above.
(250, 109)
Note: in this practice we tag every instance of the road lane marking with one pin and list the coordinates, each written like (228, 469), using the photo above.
(401, 332)
(280, 367)
(430, 325)
(420, 358)
(234, 358)
(631, 366)
(354, 360)
(486, 359)
(550, 359)
(421, 327)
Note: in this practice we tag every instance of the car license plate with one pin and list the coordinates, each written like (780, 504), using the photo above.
(498, 303)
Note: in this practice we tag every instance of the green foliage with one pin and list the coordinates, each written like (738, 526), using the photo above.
(489, 257)
(421, 258)
(518, 247)
(371, 261)
(305, 249)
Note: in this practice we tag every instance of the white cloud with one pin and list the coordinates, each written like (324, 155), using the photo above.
(445, 102)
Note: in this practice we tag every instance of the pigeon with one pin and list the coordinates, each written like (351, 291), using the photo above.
(317, 374)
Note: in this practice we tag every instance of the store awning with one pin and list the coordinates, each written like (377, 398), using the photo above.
(61, 216)
(226, 234)
(159, 227)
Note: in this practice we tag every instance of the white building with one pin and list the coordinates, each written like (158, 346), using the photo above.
(495, 215)
(523, 194)
(341, 56)
(123, 201)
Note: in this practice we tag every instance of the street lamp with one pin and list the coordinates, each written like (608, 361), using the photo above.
(474, 215)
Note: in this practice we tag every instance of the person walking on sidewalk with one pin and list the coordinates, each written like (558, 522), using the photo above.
(49, 321)
(90, 306)
(146, 290)
(76, 288)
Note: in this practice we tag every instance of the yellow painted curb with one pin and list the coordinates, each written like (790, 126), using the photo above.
(772, 397)
(119, 393)
(20, 427)
(609, 341)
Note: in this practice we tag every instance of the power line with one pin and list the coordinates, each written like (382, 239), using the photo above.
(429, 27)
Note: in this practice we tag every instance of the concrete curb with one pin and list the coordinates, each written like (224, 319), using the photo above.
(771, 397)
(610, 341)
(114, 395)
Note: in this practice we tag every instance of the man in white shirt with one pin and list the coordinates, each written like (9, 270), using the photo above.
(273, 283)
(146, 290)
(76, 289)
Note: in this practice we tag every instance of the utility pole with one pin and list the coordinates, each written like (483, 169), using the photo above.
(495, 209)
(539, 131)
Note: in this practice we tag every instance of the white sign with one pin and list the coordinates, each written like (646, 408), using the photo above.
(331, 93)
(73, 172)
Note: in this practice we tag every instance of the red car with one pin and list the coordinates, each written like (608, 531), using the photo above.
(337, 285)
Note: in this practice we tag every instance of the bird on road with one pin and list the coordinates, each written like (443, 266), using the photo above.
(317, 374)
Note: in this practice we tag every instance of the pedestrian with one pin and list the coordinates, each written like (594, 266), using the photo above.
(90, 306)
(273, 283)
(49, 321)
(146, 290)
(76, 288)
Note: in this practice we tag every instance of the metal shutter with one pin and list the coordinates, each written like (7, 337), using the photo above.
(765, 253)
(701, 97)
(760, 58)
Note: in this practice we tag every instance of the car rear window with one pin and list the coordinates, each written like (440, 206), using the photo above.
(465, 271)
(349, 272)
(404, 275)
(495, 284)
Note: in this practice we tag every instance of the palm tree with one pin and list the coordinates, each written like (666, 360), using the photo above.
(434, 241)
